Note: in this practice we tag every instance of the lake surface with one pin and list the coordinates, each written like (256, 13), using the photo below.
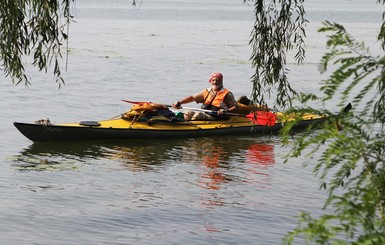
(231, 190)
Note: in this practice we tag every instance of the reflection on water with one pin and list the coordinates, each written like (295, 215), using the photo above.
(219, 160)
(214, 154)
(214, 159)
(213, 176)
(224, 161)
(211, 166)
(55, 156)
(260, 157)
(260, 154)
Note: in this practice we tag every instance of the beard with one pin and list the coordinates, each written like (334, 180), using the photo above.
(216, 87)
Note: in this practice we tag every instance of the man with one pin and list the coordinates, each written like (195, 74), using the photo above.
(216, 98)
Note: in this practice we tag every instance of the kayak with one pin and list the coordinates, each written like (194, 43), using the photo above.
(154, 128)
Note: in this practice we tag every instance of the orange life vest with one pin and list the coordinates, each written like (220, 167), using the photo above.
(216, 101)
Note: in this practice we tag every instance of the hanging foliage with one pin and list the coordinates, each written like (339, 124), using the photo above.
(279, 27)
(349, 163)
(33, 29)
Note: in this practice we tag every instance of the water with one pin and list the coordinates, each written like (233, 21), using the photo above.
(232, 190)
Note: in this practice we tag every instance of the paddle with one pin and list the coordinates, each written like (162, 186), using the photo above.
(347, 108)
(263, 118)
(136, 102)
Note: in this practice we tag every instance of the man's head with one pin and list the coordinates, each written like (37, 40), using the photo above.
(216, 81)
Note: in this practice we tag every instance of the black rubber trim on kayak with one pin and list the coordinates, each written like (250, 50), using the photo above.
(89, 123)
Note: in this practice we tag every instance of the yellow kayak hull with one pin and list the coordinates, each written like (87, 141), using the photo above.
(126, 129)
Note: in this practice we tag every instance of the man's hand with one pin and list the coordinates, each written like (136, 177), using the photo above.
(177, 105)
(221, 111)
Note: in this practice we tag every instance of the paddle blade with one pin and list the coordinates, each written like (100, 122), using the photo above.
(347, 108)
(263, 118)
(135, 102)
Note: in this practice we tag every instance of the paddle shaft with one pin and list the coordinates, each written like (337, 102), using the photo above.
(210, 111)
(252, 115)
(187, 108)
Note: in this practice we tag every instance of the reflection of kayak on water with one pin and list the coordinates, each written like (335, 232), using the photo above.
(262, 154)
(135, 155)
(140, 125)
(216, 161)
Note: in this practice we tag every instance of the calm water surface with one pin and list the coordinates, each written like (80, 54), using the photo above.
(232, 190)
